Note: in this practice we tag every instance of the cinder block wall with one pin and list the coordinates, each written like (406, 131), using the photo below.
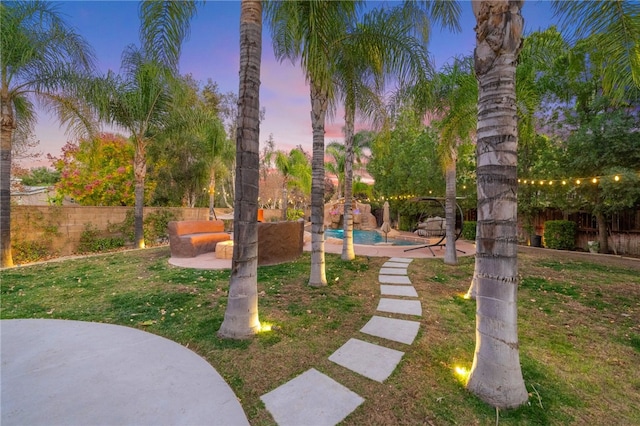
(63, 225)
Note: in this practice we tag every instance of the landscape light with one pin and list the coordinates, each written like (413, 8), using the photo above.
(616, 178)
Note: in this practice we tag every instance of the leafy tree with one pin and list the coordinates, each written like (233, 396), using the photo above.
(41, 176)
(404, 160)
(605, 144)
(97, 172)
(241, 316)
(192, 150)
(41, 54)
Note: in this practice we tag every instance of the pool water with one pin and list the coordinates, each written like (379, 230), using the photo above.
(365, 237)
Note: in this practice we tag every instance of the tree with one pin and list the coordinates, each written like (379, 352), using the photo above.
(241, 316)
(456, 99)
(296, 172)
(192, 150)
(97, 172)
(139, 99)
(613, 30)
(313, 31)
(41, 176)
(40, 55)
(496, 375)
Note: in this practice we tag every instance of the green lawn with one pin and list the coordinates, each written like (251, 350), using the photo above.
(579, 325)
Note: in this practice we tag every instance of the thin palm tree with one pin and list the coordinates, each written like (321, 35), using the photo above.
(139, 99)
(40, 60)
(380, 47)
(456, 94)
(241, 316)
(496, 375)
(312, 32)
(296, 173)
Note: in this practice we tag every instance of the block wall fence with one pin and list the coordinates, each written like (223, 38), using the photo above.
(63, 225)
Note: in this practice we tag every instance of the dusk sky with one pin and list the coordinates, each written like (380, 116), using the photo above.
(212, 51)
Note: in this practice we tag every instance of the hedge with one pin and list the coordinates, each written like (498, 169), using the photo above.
(560, 234)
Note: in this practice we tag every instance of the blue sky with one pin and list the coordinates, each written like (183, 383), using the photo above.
(212, 52)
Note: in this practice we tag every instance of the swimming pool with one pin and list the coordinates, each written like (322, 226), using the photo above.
(366, 237)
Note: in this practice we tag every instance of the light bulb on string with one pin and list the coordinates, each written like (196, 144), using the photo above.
(616, 178)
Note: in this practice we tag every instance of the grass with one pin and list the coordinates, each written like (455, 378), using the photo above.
(579, 328)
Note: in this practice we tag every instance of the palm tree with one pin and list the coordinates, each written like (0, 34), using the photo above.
(40, 58)
(337, 152)
(141, 97)
(382, 46)
(496, 375)
(613, 29)
(457, 94)
(241, 316)
(295, 171)
(313, 31)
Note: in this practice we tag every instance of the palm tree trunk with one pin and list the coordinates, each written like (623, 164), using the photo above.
(496, 375)
(319, 104)
(241, 316)
(212, 195)
(450, 253)
(139, 172)
(348, 252)
(6, 132)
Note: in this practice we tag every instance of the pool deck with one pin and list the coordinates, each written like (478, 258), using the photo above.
(465, 248)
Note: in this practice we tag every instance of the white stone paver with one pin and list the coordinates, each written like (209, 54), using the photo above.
(390, 264)
(400, 260)
(312, 398)
(398, 290)
(372, 361)
(398, 330)
(393, 271)
(400, 306)
(393, 279)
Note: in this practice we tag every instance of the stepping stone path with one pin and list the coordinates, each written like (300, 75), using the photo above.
(315, 398)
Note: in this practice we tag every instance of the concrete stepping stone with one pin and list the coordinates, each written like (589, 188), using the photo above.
(393, 271)
(312, 398)
(390, 264)
(393, 279)
(398, 330)
(373, 361)
(400, 306)
(398, 290)
(400, 260)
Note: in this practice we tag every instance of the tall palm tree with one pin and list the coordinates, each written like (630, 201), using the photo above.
(378, 48)
(496, 375)
(312, 32)
(40, 58)
(457, 94)
(241, 316)
(295, 169)
(140, 98)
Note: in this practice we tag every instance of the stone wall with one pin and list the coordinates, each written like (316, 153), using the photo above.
(334, 216)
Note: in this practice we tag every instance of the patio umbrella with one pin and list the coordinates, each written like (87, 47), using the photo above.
(386, 226)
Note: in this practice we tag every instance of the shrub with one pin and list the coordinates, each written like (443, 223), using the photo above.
(156, 224)
(560, 234)
(154, 227)
(295, 214)
(30, 251)
(469, 230)
(92, 242)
